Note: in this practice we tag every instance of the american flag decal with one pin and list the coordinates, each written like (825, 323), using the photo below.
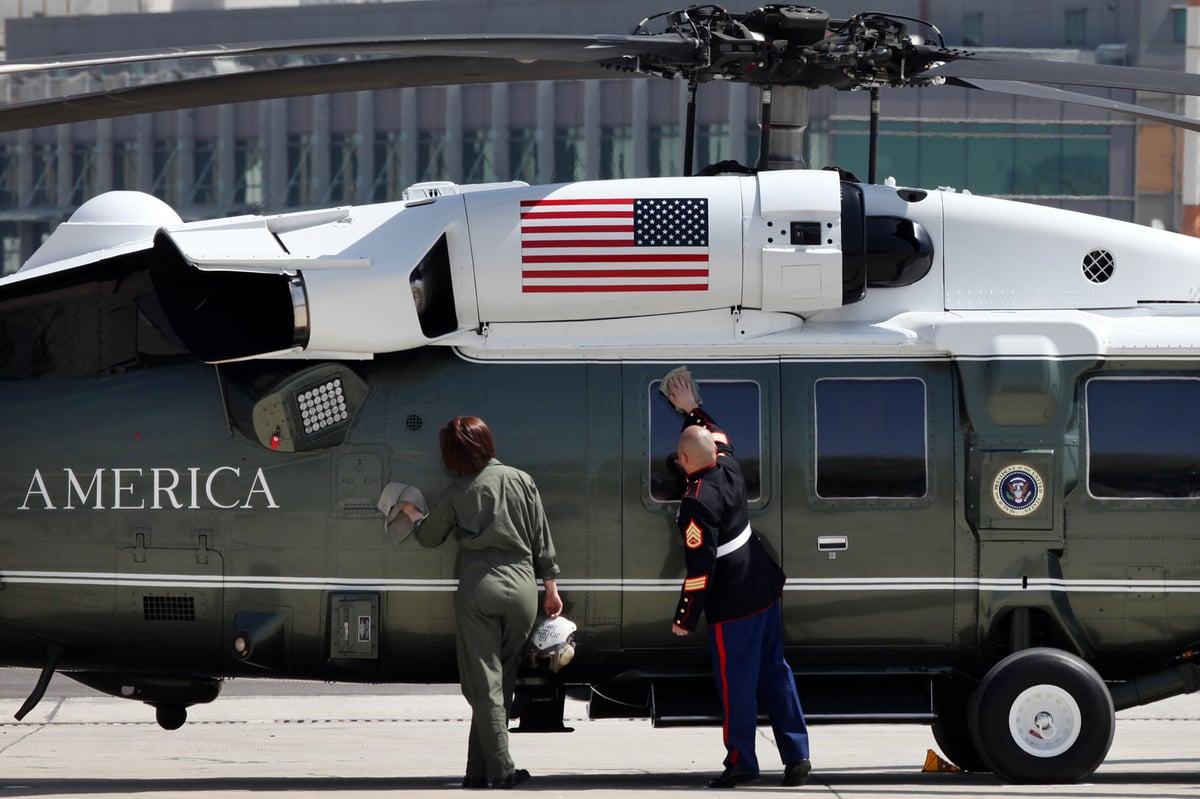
(614, 245)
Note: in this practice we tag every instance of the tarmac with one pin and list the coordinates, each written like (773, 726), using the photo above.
(313, 740)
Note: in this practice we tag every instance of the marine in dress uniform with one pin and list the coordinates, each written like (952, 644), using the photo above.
(737, 584)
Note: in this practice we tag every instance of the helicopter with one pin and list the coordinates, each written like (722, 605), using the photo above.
(963, 420)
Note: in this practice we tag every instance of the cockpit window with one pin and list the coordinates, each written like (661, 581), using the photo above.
(871, 438)
(735, 404)
(1143, 438)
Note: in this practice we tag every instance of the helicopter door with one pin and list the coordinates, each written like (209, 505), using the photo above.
(739, 397)
(868, 503)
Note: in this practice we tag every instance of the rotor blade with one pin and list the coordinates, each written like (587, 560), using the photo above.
(426, 62)
(1101, 76)
(1023, 89)
(532, 47)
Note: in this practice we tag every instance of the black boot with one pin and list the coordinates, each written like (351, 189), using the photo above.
(796, 773)
(732, 777)
(512, 780)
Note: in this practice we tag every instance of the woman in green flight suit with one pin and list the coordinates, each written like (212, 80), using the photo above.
(504, 547)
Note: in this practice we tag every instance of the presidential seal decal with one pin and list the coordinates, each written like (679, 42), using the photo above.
(1018, 490)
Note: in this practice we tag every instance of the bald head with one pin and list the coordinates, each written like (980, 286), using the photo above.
(696, 449)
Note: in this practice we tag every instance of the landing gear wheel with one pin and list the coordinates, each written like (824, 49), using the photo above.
(170, 717)
(1042, 715)
(953, 736)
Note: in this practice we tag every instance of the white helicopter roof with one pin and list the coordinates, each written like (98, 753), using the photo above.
(739, 265)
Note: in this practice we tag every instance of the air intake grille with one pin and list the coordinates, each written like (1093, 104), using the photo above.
(1098, 266)
(169, 608)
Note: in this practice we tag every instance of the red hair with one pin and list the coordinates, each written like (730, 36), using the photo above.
(467, 445)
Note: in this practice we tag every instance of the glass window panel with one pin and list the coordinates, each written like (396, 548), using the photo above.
(389, 179)
(849, 151)
(166, 172)
(972, 30)
(735, 405)
(248, 172)
(989, 165)
(523, 154)
(753, 143)
(10, 243)
(871, 438)
(666, 151)
(45, 174)
(987, 158)
(204, 170)
(343, 167)
(8, 176)
(898, 158)
(616, 152)
(125, 172)
(1179, 25)
(301, 168)
(477, 156)
(83, 167)
(942, 160)
(1085, 166)
(1037, 166)
(431, 155)
(712, 145)
(1143, 438)
(568, 154)
(1076, 27)
(817, 142)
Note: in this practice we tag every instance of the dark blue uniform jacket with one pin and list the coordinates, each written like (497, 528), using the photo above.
(713, 512)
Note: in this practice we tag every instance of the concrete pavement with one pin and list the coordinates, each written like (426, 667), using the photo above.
(309, 744)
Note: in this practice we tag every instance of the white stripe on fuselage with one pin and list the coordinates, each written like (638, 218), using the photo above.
(868, 584)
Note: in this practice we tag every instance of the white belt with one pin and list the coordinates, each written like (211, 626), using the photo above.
(730, 547)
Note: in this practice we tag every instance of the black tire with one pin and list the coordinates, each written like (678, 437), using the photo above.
(1042, 716)
(953, 736)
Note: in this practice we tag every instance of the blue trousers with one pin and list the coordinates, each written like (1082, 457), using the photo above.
(749, 668)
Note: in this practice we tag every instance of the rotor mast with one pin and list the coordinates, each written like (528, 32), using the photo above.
(783, 120)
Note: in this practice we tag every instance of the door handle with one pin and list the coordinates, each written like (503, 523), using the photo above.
(833, 543)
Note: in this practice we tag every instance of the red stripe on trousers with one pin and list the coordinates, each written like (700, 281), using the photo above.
(721, 658)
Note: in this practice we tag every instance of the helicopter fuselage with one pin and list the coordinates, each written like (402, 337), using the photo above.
(966, 425)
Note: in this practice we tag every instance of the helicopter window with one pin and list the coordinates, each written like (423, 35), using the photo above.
(871, 438)
(1143, 438)
(735, 405)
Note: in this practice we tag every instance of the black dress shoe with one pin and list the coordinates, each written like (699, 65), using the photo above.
(732, 777)
(796, 773)
(512, 780)
(474, 782)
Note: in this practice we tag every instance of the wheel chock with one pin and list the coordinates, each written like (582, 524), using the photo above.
(934, 763)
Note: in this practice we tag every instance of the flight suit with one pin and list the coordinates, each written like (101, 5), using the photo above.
(504, 547)
(738, 584)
